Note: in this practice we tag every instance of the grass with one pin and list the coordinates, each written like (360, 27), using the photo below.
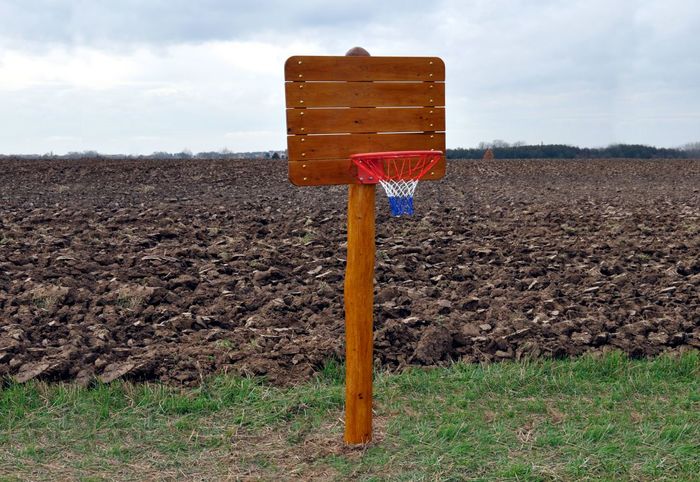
(589, 418)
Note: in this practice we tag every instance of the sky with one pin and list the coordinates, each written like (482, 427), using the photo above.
(138, 76)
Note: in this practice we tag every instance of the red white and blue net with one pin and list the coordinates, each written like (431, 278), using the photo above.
(397, 172)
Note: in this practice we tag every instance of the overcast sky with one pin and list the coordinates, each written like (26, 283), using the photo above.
(137, 76)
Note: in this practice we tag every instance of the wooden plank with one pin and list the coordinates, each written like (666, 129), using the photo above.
(306, 68)
(302, 148)
(317, 173)
(355, 120)
(364, 94)
(339, 171)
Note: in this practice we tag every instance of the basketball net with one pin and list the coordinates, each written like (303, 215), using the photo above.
(397, 172)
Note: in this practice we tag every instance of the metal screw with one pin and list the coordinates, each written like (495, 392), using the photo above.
(300, 62)
(431, 62)
(301, 113)
(306, 178)
(303, 154)
(431, 125)
(430, 75)
(303, 165)
(302, 140)
(300, 76)
(301, 101)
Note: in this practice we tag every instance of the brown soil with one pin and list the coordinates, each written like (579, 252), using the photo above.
(173, 270)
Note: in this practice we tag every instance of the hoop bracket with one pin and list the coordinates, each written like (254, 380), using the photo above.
(370, 171)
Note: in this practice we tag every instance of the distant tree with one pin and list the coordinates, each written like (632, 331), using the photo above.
(276, 156)
(692, 149)
(562, 151)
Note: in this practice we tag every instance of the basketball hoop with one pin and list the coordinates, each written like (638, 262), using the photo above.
(397, 172)
(336, 107)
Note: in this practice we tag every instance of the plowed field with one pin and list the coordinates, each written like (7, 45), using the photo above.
(173, 270)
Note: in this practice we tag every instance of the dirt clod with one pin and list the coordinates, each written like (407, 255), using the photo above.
(223, 266)
(433, 345)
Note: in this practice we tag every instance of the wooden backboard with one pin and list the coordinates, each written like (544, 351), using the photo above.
(339, 106)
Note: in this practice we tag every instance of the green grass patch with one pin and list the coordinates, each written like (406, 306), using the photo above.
(589, 418)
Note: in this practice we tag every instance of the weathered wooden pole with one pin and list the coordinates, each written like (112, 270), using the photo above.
(359, 304)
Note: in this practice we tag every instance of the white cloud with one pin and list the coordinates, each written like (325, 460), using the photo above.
(140, 76)
(60, 67)
(188, 95)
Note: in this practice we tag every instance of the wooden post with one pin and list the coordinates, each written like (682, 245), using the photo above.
(359, 305)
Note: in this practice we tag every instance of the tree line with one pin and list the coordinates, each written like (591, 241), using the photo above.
(500, 149)
(503, 150)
